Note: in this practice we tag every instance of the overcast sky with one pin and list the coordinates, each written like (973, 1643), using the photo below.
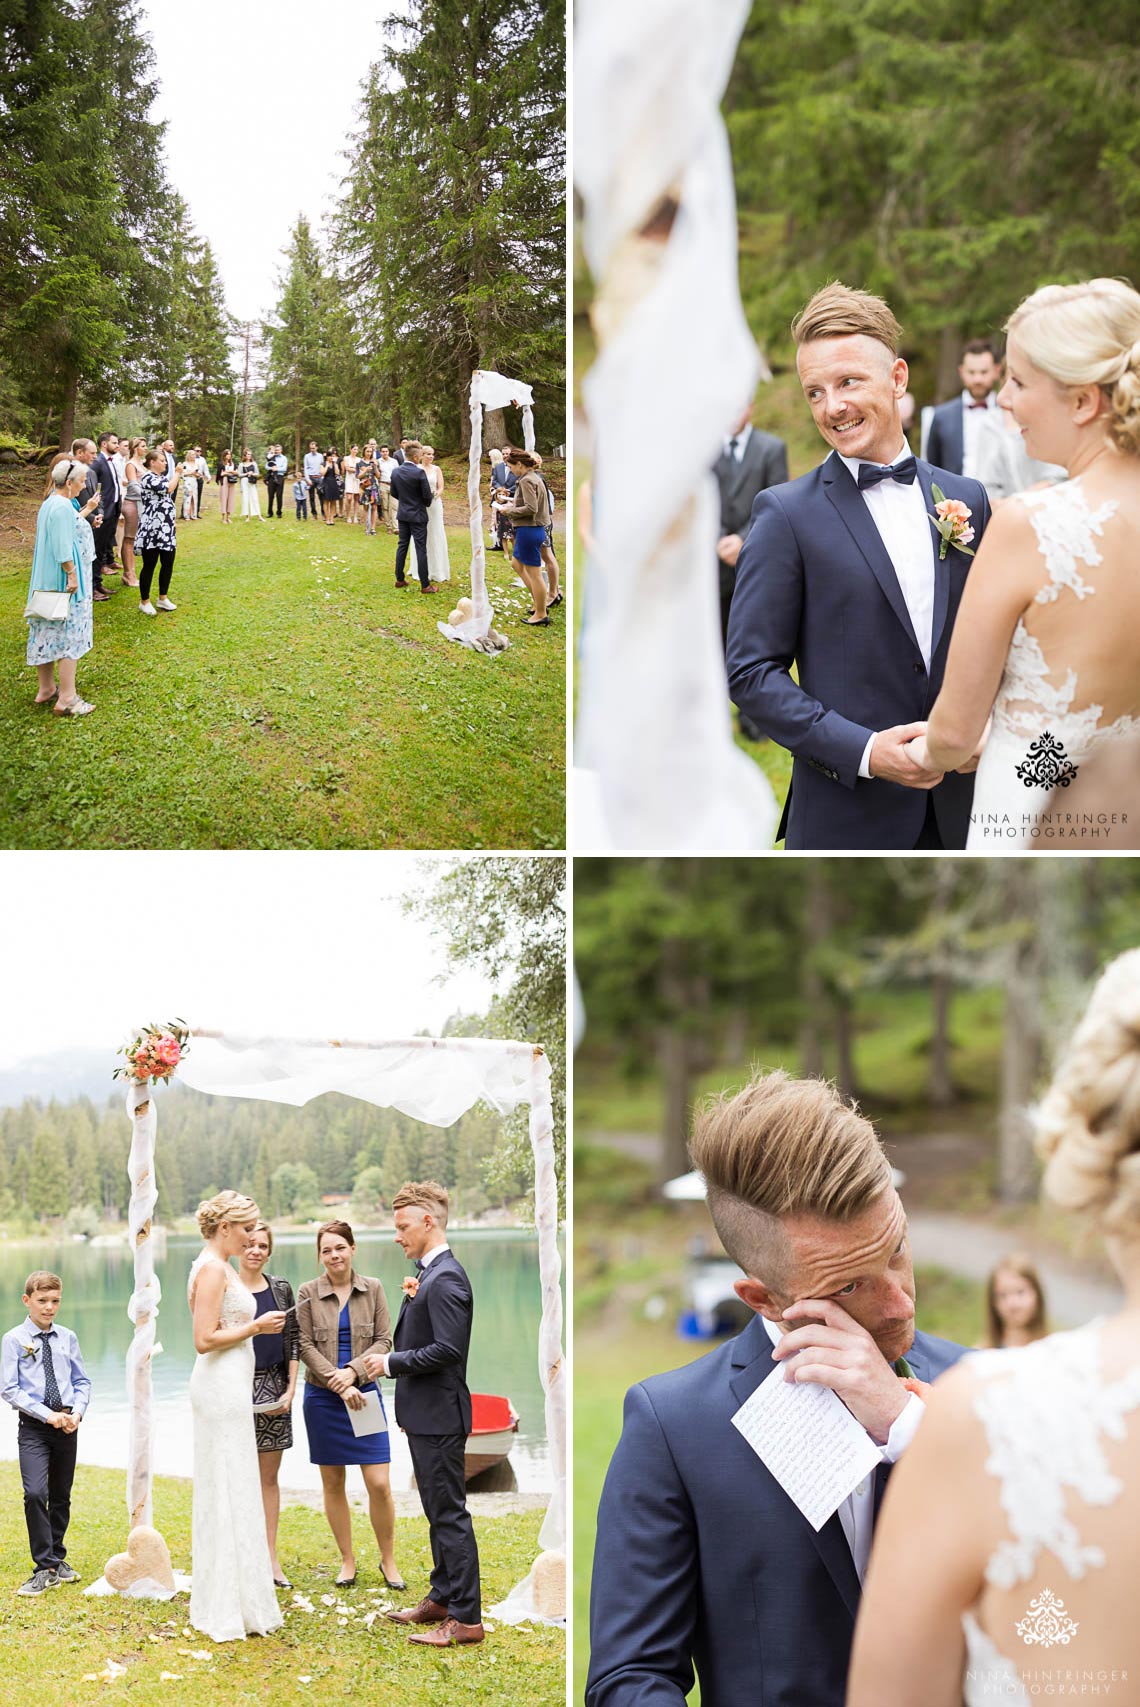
(290, 945)
(259, 101)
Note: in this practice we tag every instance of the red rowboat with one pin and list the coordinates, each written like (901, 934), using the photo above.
(494, 1425)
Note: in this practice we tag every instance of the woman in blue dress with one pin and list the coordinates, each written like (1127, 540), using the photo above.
(343, 1318)
(61, 562)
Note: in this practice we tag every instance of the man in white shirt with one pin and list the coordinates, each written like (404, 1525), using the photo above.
(846, 576)
(312, 466)
(387, 465)
(702, 1557)
(957, 427)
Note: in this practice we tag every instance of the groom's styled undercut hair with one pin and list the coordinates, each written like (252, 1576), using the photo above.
(427, 1195)
(837, 311)
(783, 1147)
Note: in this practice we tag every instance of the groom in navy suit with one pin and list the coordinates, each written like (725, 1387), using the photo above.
(842, 578)
(702, 1560)
(433, 1407)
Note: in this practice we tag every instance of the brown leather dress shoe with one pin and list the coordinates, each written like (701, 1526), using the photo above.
(451, 1630)
(427, 1612)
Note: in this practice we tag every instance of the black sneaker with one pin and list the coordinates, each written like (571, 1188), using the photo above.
(38, 1581)
(65, 1574)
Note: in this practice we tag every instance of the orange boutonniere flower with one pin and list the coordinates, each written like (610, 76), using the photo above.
(951, 520)
(920, 1389)
(411, 1286)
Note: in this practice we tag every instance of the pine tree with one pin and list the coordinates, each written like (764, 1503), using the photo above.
(452, 225)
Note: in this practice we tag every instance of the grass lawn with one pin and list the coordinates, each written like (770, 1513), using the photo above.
(64, 1636)
(294, 700)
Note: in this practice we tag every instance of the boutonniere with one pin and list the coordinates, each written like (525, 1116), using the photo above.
(31, 1351)
(921, 1389)
(951, 520)
(411, 1286)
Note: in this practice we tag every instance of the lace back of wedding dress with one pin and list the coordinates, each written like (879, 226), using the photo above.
(1038, 693)
(1048, 1415)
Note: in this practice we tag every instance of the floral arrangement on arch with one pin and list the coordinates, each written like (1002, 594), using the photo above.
(155, 1052)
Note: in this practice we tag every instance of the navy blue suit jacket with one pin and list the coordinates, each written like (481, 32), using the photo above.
(946, 440)
(105, 474)
(429, 1359)
(412, 490)
(702, 1560)
(815, 587)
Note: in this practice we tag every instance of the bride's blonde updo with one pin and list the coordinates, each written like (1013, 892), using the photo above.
(233, 1206)
(1088, 334)
(1088, 1126)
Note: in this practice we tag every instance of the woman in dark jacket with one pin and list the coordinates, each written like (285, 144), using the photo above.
(274, 1379)
(343, 1318)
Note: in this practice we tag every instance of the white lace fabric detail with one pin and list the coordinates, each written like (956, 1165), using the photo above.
(1029, 700)
(1047, 1411)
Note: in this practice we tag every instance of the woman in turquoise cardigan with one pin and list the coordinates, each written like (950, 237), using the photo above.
(61, 562)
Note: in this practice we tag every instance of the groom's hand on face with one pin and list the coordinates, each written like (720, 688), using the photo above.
(826, 1346)
(892, 760)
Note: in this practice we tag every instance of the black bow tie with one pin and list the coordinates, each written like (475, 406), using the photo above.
(419, 1266)
(870, 473)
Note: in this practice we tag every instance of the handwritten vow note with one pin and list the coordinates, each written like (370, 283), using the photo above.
(810, 1442)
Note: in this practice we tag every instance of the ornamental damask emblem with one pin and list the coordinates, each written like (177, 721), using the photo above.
(1047, 765)
(1047, 1624)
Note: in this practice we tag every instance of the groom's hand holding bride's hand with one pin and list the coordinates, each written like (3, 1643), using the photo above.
(899, 755)
(832, 1350)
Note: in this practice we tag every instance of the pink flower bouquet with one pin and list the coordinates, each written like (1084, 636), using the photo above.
(154, 1053)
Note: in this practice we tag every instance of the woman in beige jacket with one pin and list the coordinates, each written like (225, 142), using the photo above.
(529, 515)
(343, 1317)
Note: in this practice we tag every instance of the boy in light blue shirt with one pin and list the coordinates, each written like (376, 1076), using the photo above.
(43, 1378)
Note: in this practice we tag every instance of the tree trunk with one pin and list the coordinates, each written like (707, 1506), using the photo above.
(949, 356)
(844, 1050)
(67, 419)
(940, 1090)
(465, 367)
(1022, 1046)
(812, 993)
(170, 417)
(495, 430)
(677, 1084)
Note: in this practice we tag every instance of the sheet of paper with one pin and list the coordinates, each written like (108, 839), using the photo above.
(809, 1441)
(370, 1420)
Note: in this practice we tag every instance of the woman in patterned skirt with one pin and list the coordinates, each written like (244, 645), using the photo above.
(274, 1379)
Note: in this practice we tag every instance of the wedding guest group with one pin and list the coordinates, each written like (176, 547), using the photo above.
(43, 1378)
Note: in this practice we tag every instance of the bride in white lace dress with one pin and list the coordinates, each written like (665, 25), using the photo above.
(439, 563)
(232, 1591)
(1008, 1551)
(1048, 631)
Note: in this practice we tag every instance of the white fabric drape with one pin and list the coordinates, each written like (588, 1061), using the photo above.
(434, 1080)
(489, 390)
(143, 1306)
(676, 366)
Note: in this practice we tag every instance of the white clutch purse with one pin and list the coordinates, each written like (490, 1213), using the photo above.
(49, 607)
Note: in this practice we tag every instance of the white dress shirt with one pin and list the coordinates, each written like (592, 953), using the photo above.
(974, 424)
(857, 1513)
(742, 438)
(899, 514)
